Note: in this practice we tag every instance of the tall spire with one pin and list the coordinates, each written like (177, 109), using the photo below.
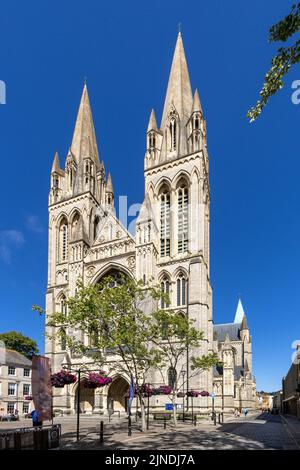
(84, 143)
(196, 103)
(239, 314)
(179, 92)
(152, 126)
(244, 325)
(109, 185)
(56, 165)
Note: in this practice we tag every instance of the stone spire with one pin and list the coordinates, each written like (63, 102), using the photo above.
(109, 192)
(152, 126)
(56, 166)
(196, 103)
(244, 325)
(239, 314)
(109, 185)
(84, 142)
(179, 91)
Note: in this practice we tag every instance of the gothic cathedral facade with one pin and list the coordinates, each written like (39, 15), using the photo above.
(170, 246)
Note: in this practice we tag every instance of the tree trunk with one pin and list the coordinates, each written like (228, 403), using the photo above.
(174, 410)
(143, 414)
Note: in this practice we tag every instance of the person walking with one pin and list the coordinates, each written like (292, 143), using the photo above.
(245, 412)
(35, 419)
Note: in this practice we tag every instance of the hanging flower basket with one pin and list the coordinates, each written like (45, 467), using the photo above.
(147, 391)
(28, 397)
(193, 393)
(62, 378)
(96, 380)
(163, 390)
(204, 394)
(180, 394)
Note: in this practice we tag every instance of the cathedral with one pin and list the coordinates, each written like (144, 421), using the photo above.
(170, 247)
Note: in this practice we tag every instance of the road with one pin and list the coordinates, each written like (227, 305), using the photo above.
(256, 432)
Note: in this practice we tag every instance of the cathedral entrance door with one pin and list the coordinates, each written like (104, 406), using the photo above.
(116, 400)
(87, 398)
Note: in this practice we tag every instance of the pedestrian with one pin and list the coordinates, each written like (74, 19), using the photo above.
(246, 412)
(35, 419)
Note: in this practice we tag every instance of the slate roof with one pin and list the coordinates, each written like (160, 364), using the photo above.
(238, 372)
(8, 356)
(232, 329)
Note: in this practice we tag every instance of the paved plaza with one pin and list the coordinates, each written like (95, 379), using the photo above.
(257, 432)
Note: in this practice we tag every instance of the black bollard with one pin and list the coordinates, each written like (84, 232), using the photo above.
(219, 418)
(101, 432)
(195, 420)
(215, 418)
(165, 422)
(129, 426)
(222, 417)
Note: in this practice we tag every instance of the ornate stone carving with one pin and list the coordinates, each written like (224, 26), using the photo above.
(90, 271)
(131, 262)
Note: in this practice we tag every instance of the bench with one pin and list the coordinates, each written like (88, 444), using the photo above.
(161, 416)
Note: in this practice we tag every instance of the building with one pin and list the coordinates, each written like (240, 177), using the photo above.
(234, 385)
(170, 246)
(15, 382)
(264, 401)
(277, 402)
(291, 388)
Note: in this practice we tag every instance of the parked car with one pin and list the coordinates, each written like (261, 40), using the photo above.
(9, 417)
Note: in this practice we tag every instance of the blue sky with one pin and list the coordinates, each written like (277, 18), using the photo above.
(125, 50)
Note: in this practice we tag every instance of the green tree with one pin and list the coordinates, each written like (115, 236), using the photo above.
(177, 335)
(119, 331)
(285, 58)
(127, 332)
(18, 342)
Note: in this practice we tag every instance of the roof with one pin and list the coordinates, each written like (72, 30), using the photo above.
(8, 356)
(230, 329)
(238, 372)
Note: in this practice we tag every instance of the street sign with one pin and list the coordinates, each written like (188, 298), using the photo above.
(169, 406)
(213, 395)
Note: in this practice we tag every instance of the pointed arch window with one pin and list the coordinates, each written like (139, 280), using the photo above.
(96, 227)
(63, 240)
(182, 213)
(181, 287)
(152, 141)
(173, 134)
(74, 224)
(165, 289)
(63, 305)
(63, 339)
(165, 224)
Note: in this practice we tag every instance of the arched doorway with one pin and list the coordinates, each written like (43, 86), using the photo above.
(116, 400)
(87, 399)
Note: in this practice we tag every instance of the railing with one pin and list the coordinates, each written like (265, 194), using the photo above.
(37, 438)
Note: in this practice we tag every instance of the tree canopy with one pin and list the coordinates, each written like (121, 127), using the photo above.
(285, 58)
(18, 342)
(119, 325)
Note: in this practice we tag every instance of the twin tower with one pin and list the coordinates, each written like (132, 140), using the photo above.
(171, 243)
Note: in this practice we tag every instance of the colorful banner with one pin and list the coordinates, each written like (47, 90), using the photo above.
(41, 387)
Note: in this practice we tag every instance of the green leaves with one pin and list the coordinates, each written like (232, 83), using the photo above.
(282, 62)
(18, 342)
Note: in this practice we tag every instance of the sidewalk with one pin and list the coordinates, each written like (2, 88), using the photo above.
(293, 425)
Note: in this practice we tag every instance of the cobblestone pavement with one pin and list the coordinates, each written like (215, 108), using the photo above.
(256, 432)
